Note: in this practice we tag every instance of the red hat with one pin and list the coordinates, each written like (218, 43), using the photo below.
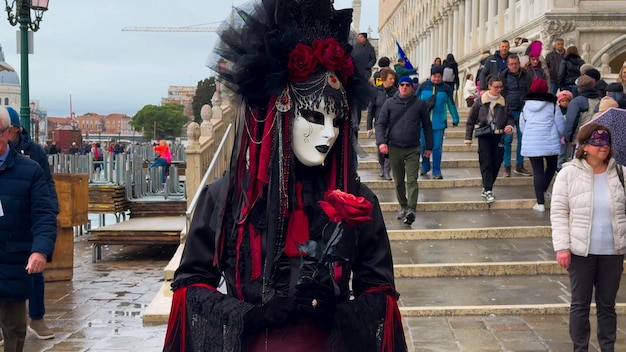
(539, 86)
(534, 49)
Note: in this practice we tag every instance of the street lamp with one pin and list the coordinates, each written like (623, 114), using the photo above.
(19, 12)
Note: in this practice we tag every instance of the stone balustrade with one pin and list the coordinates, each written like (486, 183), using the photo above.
(204, 139)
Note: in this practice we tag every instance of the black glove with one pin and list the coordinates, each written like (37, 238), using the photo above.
(276, 313)
(316, 300)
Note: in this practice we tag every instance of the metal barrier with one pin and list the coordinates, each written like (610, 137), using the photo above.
(218, 166)
(130, 170)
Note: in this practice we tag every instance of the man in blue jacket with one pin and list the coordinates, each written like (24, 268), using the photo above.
(27, 234)
(443, 106)
(19, 138)
(398, 126)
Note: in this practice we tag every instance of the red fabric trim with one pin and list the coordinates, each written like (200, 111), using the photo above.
(177, 320)
(338, 272)
(238, 284)
(255, 251)
(298, 227)
(393, 319)
(346, 165)
(266, 147)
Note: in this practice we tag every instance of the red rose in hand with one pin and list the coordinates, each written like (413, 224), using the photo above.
(302, 62)
(346, 207)
(329, 53)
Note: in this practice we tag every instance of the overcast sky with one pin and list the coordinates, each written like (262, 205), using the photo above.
(81, 51)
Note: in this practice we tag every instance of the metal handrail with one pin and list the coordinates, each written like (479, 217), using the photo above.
(218, 154)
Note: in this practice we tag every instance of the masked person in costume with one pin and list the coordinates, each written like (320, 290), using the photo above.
(300, 242)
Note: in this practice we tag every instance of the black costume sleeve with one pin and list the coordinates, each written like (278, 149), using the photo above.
(370, 322)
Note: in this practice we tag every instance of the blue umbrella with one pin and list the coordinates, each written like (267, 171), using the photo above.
(615, 120)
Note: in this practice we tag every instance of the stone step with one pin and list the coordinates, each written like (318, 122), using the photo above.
(460, 199)
(451, 132)
(449, 160)
(481, 295)
(449, 145)
(465, 177)
(498, 219)
(454, 230)
(469, 252)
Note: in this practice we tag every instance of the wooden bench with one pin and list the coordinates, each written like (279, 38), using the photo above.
(137, 231)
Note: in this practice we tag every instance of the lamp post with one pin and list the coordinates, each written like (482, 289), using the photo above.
(19, 12)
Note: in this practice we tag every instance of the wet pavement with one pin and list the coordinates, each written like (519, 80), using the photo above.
(101, 308)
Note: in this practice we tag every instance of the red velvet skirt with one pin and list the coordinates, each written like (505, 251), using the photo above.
(294, 338)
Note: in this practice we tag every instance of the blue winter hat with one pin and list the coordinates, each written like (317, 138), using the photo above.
(15, 117)
(406, 79)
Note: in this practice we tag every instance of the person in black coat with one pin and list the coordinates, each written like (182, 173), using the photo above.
(569, 69)
(19, 138)
(398, 134)
(28, 228)
(364, 56)
(384, 92)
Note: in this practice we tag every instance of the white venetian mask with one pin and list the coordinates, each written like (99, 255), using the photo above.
(314, 133)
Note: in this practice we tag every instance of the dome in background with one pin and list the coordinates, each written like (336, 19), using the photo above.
(7, 77)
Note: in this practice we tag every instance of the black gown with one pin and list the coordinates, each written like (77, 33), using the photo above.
(366, 316)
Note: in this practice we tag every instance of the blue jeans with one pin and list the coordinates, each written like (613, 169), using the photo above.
(163, 164)
(436, 152)
(36, 308)
(508, 139)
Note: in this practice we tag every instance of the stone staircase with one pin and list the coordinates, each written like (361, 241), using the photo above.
(462, 257)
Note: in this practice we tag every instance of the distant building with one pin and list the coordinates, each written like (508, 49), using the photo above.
(429, 29)
(111, 126)
(180, 95)
(9, 85)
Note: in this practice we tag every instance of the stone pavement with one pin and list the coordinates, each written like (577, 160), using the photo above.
(101, 310)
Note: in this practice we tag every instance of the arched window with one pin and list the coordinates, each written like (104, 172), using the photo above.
(6, 101)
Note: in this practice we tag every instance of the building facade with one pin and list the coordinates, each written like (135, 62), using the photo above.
(9, 84)
(181, 95)
(427, 29)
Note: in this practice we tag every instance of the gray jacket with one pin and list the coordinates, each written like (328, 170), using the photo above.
(405, 133)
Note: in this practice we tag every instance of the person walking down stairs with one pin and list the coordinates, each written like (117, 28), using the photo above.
(489, 119)
(397, 134)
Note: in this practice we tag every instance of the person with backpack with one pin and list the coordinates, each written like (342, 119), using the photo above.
(440, 103)
(569, 70)
(450, 75)
(580, 109)
(542, 126)
(98, 158)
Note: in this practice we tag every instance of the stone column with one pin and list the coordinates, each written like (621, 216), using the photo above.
(456, 23)
(482, 21)
(501, 18)
(461, 15)
(475, 24)
(511, 20)
(523, 15)
(491, 17)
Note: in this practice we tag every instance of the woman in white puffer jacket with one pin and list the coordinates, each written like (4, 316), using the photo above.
(589, 233)
(542, 125)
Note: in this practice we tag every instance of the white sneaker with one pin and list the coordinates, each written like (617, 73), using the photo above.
(539, 207)
(490, 197)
